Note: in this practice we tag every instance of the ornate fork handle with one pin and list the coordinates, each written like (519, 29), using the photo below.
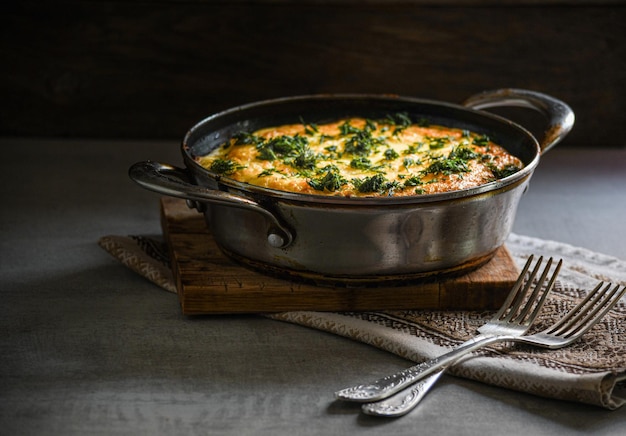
(571, 327)
(403, 402)
(389, 385)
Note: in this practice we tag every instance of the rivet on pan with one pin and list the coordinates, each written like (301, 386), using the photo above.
(275, 240)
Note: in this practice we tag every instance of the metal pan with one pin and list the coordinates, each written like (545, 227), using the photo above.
(359, 241)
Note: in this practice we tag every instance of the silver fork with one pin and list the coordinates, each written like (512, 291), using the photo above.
(567, 330)
(514, 318)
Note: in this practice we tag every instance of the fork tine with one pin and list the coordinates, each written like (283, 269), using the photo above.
(536, 288)
(547, 290)
(571, 317)
(515, 289)
(581, 319)
(597, 313)
(519, 297)
(533, 302)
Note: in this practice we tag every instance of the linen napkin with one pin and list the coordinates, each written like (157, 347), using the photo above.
(591, 371)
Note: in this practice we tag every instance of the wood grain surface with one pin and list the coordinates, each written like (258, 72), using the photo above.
(152, 69)
(208, 282)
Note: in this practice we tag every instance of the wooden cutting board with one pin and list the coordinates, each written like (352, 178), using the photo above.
(208, 282)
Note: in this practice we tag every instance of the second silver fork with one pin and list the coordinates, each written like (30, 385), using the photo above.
(567, 330)
(514, 318)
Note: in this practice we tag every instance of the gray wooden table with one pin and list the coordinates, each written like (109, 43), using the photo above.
(88, 347)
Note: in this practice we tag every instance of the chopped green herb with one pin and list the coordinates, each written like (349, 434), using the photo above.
(309, 129)
(400, 121)
(306, 159)
(348, 129)
(361, 163)
(500, 173)
(437, 143)
(413, 181)
(288, 145)
(391, 154)
(407, 162)
(447, 166)
(362, 143)
(269, 172)
(376, 183)
(463, 153)
(225, 167)
(370, 125)
(331, 181)
(482, 140)
(266, 153)
(324, 138)
(413, 148)
(282, 146)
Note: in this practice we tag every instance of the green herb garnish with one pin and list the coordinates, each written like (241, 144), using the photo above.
(400, 121)
(501, 173)
(391, 154)
(284, 146)
(225, 167)
(437, 143)
(306, 159)
(331, 181)
(413, 148)
(361, 163)
(348, 129)
(409, 161)
(447, 166)
(413, 181)
(482, 140)
(309, 128)
(269, 172)
(362, 143)
(463, 153)
(376, 183)
(323, 137)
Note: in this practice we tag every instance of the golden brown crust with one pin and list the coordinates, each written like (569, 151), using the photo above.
(359, 157)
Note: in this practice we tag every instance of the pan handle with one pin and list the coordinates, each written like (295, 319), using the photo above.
(560, 116)
(173, 181)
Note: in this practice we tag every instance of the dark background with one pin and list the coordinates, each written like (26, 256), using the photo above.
(151, 69)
